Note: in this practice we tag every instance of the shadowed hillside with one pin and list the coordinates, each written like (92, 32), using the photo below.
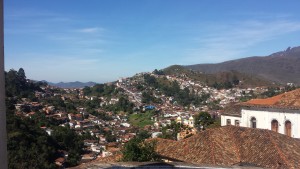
(282, 67)
(244, 80)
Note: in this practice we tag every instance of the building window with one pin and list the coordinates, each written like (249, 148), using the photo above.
(253, 122)
(274, 126)
(228, 122)
(237, 123)
(288, 128)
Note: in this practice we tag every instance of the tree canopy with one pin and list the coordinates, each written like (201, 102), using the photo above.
(203, 120)
(184, 97)
(16, 84)
(137, 149)
(29, 146)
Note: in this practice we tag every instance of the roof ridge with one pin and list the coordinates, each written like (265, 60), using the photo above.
(212, 152)
(281, 154)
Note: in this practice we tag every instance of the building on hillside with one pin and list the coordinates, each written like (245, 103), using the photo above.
(187, 121)
(280, 114)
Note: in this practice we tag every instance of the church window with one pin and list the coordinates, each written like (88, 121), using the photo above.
(288, 128)
(253, 122)
(228, 122)
(274, 125)
(237, 123)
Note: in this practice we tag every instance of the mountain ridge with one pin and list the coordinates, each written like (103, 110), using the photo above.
(281, 67)
(76, 84)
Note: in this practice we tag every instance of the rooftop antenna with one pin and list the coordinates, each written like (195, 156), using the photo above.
(3, 143)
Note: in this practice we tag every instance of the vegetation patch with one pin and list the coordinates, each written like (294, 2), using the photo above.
(141, 119)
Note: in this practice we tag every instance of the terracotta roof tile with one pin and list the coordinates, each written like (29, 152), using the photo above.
(286, 100)
(227, 146)
(268, 101)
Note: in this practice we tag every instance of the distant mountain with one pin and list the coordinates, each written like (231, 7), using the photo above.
(281, 67)
(71, 84)
(210, 79)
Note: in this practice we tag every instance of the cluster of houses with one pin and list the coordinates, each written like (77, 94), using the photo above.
(222, 97)
(111, 134)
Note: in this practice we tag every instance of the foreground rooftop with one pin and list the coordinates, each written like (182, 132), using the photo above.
(230, 146)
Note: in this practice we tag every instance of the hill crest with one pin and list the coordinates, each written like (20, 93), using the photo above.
(281, 67)
(75, 84)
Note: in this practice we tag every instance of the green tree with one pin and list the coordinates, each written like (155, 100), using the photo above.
(203, 120)
(137, 149)
(158, 72)
(150, 80)
(68, 140)
(28, 145)
(170, 131)
(17, 86)
(87, 90)
(21, 75)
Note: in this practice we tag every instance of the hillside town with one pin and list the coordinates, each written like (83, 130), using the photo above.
(106, 121)
(157, 84)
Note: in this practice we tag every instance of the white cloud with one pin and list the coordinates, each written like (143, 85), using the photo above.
(230, 41)
(90, 30)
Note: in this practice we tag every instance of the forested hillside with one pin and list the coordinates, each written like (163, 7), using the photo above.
(29, 146)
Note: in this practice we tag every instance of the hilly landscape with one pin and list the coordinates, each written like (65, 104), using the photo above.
(242, 80)
(280, 67)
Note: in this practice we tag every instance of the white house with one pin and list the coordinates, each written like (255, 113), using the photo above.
(279, 113)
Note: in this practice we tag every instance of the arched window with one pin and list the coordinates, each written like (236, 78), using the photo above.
(274, 125)
(228, 122)
(237, 123)
(288, 128)
(253, 122)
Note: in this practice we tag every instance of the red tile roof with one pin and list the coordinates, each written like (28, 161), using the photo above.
(287, 100)
(230, 145)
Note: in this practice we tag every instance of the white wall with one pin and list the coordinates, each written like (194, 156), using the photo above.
(264, 119)
(232, 118)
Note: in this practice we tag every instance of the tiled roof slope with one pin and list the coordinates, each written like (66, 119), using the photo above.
(230, 145)
(286, 100)
(232, 109)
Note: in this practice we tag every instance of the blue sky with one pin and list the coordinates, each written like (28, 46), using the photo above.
(103, 40)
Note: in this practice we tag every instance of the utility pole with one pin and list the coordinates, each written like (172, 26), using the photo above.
(3, 142)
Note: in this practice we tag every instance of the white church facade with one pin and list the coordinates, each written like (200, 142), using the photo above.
(269, 114)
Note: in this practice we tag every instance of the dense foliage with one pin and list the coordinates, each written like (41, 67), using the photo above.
(122, 105)
(29, 146)
(170, 131)
(148, 98)
(68, 140)
(137, 149)
(17, 85)
(184, 97)
(109, 91)
(203, 120)
(227, 84)
(158, 72)
(100, 90)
